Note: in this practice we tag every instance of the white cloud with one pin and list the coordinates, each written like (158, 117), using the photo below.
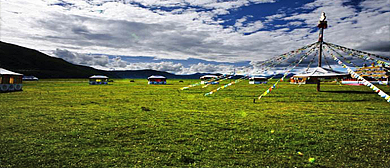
(119, 28)
(82, 59)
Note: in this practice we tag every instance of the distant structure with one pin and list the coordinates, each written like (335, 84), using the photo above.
(30, 78)
(258, 80)
(155, 80)
(10, 81)
(209, 79)
(98, 80)
(375, 74)
(314, 75)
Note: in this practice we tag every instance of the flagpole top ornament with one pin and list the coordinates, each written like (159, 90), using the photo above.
(322, 23)
(323, 17)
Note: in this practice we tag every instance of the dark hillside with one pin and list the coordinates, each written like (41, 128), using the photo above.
(32, 62)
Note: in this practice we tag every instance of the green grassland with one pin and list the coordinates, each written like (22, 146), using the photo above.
(68, 123)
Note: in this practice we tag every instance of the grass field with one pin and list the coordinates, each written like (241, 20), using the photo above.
(68, 123)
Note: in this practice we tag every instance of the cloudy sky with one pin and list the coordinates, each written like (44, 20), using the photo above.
(188, 36)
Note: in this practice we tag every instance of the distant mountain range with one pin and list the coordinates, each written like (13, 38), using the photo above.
(32, 62)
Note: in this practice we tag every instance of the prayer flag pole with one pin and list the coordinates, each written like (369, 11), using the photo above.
(322, 25)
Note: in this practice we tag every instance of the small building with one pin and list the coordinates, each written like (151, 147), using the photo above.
(30, 78)
(157, 80)
(98, 80)
(209, 79)
(374, 74)
(314, 74)
(10, 81)
(257, 80)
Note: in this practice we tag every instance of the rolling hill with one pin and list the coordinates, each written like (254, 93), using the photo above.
(32, 62)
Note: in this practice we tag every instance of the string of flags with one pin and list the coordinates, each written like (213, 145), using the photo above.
(199, 83)
(357, 51)
(286, 73)
(273, 62)
(325, 58)
(220, 80)
(311, 61)
(311, 50)
(190, 86)
(345, 59)
(365, 82)
(286, 55)
(367, 56)
(356, 66)
(225, 86)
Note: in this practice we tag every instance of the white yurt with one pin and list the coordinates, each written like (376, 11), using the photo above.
(257, 80)
(10, 81)
(98, 80)
(311, 76)
(155, 79)
(209, 79)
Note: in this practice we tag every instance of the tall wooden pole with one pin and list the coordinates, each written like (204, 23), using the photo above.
(322, 25)
(320, 40)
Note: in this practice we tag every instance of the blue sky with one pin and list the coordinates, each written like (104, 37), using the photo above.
(189, 36)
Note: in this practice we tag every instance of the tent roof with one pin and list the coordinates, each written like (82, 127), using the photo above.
(7, 72)
(209, 76)
(156, 77)
(321, 72)
(98, 77)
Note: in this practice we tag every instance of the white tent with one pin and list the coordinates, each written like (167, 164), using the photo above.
(313, 74)
(204, 79)
(98, 80)
(154, 79)
(257, 80)
(321, 72)
(10, 81)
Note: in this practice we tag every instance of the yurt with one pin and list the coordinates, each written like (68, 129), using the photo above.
(374, 74)
(315, 74)
(257, 80)
(98, 80)
(209, 79)
(157, 80)
(10, 81)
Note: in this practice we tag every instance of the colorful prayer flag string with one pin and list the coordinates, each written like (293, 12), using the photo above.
(225, 86)
(365, 82)
(273, 64)
(199, 83)
(285, 74)
(277, 60)
(220, 80)
(368, 56)
(344, 66)
(345, 59)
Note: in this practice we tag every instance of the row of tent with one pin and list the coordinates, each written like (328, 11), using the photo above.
(12, 81)
(207, 79)
(103, 80)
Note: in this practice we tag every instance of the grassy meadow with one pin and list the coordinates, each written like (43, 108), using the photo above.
(68, 123)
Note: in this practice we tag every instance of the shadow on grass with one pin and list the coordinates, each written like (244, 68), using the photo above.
(349, 91)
